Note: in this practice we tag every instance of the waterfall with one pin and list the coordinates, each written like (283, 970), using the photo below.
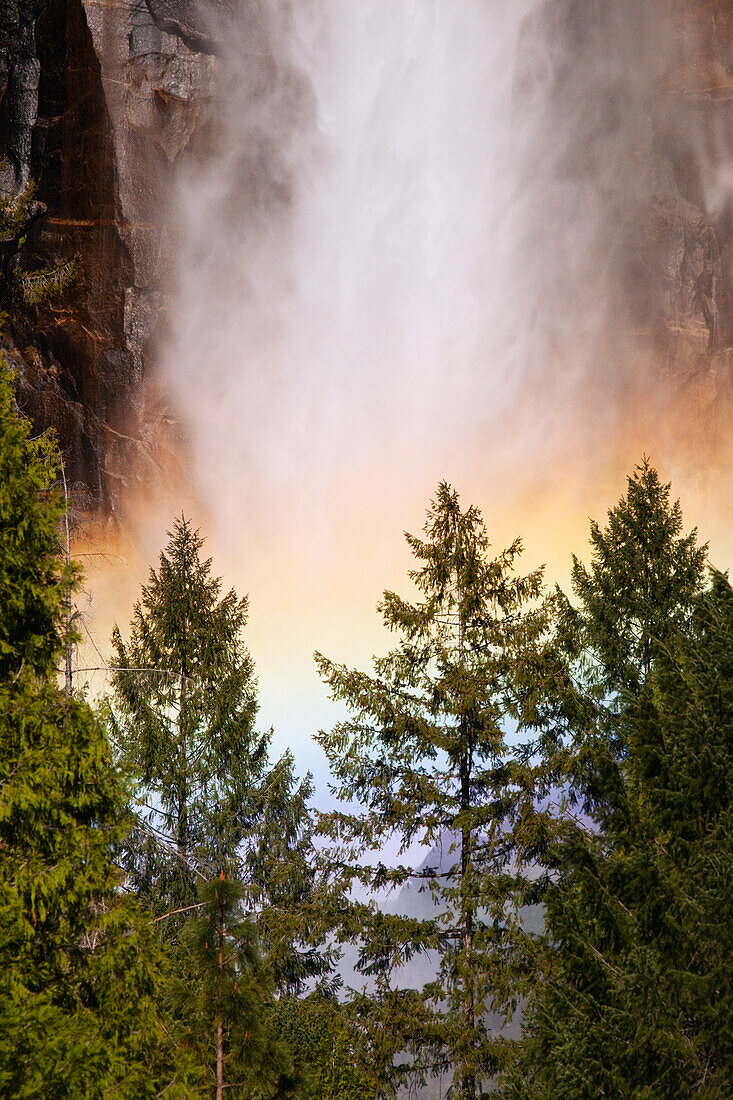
(348, 318)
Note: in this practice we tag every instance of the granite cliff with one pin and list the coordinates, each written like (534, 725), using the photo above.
(643, 92)
(100, 102)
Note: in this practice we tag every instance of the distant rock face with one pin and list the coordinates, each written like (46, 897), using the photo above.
(633, 109)
(102, 101)
(187, 20)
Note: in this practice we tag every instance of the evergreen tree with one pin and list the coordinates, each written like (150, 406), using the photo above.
(224, 1000)
(608, 1017)
(183, 717)
(637, 999)
(637, 592)
(638, 589)
(426, 756)
(79, 972)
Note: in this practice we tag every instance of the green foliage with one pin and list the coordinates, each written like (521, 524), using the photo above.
(636, 997)
(186, 695)
(627, 993)
(223, 999)
(45, 284)
(78, 969)
(184, 719)
(15, 211)
(638, 589)
(20, 288)
(32, 580)
(328, 1048)
(637, 593)
(426, 755)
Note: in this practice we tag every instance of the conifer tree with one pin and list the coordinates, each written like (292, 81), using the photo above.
(636, 593)
(637, 998)
(79, 972)
(209, 799)
(618, 947)
(639, 587)
(427, 757)
(224, 999)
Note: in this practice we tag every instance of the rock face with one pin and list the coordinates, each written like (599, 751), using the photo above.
(637, 99)
(19, 76)
(114, 95)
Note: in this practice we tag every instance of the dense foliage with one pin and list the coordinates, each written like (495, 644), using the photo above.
(223, 999)
(331, 1058)
(79, 971)
(208, 798)
(635, 999)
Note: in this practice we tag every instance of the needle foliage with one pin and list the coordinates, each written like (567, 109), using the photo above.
(426, 758)
(79, 971)
(636, 997)
(208, 797)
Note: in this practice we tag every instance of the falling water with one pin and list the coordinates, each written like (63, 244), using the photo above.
(346, 321)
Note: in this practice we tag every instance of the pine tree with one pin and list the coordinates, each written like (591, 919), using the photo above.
(79, 972)
(426, 755)
(184, 717)
(643, 576)
(637, 592)
(637, 998)
(224, 999)
(633, 957)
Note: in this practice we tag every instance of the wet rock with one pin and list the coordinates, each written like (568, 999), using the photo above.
(101, 102)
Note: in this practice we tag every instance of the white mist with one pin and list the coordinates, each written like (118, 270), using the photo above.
(347, 317)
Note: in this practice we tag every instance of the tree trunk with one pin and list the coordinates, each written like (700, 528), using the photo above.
(220, 1062)
(467, 1074)
(68, 678)
(69, 675)
(468, 1077)
(220, 1027)
(182, 829)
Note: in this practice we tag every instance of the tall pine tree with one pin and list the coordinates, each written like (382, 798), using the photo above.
(426, 756)
(637, 591)
(634, 1000)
